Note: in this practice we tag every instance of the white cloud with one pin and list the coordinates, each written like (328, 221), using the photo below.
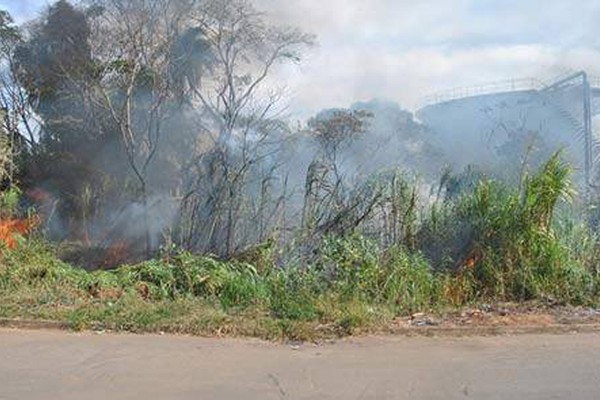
(342, 76)
(405, 49)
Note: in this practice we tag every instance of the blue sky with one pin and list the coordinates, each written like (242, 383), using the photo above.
(22, 9)
(405, 49)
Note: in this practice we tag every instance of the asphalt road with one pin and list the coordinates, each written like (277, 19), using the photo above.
(58, 365)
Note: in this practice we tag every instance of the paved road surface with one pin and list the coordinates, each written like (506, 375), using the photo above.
(58, 365)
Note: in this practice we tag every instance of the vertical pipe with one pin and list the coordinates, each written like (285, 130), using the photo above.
(587, 121)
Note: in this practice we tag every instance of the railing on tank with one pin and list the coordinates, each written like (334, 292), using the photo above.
(509, 85)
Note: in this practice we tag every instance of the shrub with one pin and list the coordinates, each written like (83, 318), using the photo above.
(409, 283)
(506, 239)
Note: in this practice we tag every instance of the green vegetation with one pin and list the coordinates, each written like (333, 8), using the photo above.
(513, 247)
(174, 160)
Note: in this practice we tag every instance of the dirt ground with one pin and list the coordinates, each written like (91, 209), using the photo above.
(59, 365)
(507, 318)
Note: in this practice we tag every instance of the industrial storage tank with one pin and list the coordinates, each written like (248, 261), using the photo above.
(518, 123)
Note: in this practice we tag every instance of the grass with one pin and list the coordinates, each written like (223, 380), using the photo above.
(489, 244)
(201, 295)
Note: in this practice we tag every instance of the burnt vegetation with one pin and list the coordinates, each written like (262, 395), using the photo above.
(147, 137)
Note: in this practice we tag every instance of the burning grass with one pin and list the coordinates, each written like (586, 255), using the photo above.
(512, 249)
(201, 295)
(186, 294)
(12, 229)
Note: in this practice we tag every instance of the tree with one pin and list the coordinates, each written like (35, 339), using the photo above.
(242, 113)
(335, 129)
(10, 98)
(140, 100)
(54, 73)
(132, 42)
(325, 199)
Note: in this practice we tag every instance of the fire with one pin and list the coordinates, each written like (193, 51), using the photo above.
(117, 253)
(470, 263)
(473, 259)
(11, 229)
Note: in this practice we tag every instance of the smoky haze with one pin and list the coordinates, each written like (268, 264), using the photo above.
(403, 50)
(214, 127)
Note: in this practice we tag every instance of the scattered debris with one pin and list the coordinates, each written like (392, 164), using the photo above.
(421, 319)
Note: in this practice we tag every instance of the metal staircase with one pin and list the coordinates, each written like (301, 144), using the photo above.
(576, 80)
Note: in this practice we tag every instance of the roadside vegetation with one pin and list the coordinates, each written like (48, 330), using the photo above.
(150, 180)
(490, 244)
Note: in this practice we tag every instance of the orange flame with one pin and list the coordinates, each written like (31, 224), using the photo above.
(11, 229)
(470, 263)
